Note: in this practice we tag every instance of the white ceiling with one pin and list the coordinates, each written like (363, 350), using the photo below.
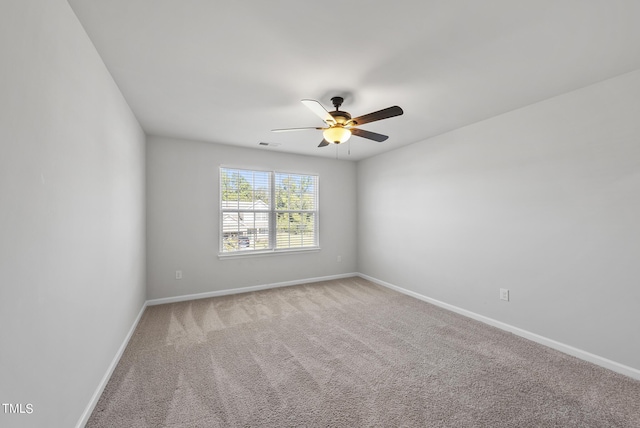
(228, 72)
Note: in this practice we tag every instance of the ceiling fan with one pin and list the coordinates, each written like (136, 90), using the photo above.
(340, 124)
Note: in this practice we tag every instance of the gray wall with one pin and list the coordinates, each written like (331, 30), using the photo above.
(544, 201)
(71, 215)
(183, 219)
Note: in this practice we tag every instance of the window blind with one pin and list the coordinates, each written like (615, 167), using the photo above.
(267, 211)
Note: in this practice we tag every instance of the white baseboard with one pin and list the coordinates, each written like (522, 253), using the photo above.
(105, 379)
(187, 297)
(567, 349)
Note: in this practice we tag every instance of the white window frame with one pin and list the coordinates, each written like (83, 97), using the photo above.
(272, 213)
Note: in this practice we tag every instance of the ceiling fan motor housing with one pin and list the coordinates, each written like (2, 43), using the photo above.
(341, 117)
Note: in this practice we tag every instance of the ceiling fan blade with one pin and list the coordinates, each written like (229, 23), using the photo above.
(368, 134)
(324, 143)
(319, 110)
(294, 129)
(378, 115)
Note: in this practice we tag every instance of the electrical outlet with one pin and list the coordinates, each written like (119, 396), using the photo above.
(504, 294)
(178, 274)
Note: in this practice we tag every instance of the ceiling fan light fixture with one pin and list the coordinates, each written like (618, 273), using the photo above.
(336, 134)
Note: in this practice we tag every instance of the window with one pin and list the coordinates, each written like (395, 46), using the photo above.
(264, 211)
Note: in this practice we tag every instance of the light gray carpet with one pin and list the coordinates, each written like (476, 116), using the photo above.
(348, 353)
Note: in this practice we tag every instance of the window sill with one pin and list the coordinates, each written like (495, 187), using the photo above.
(267, 253)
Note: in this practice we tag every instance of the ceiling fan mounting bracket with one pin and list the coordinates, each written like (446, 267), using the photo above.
(337, 102)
